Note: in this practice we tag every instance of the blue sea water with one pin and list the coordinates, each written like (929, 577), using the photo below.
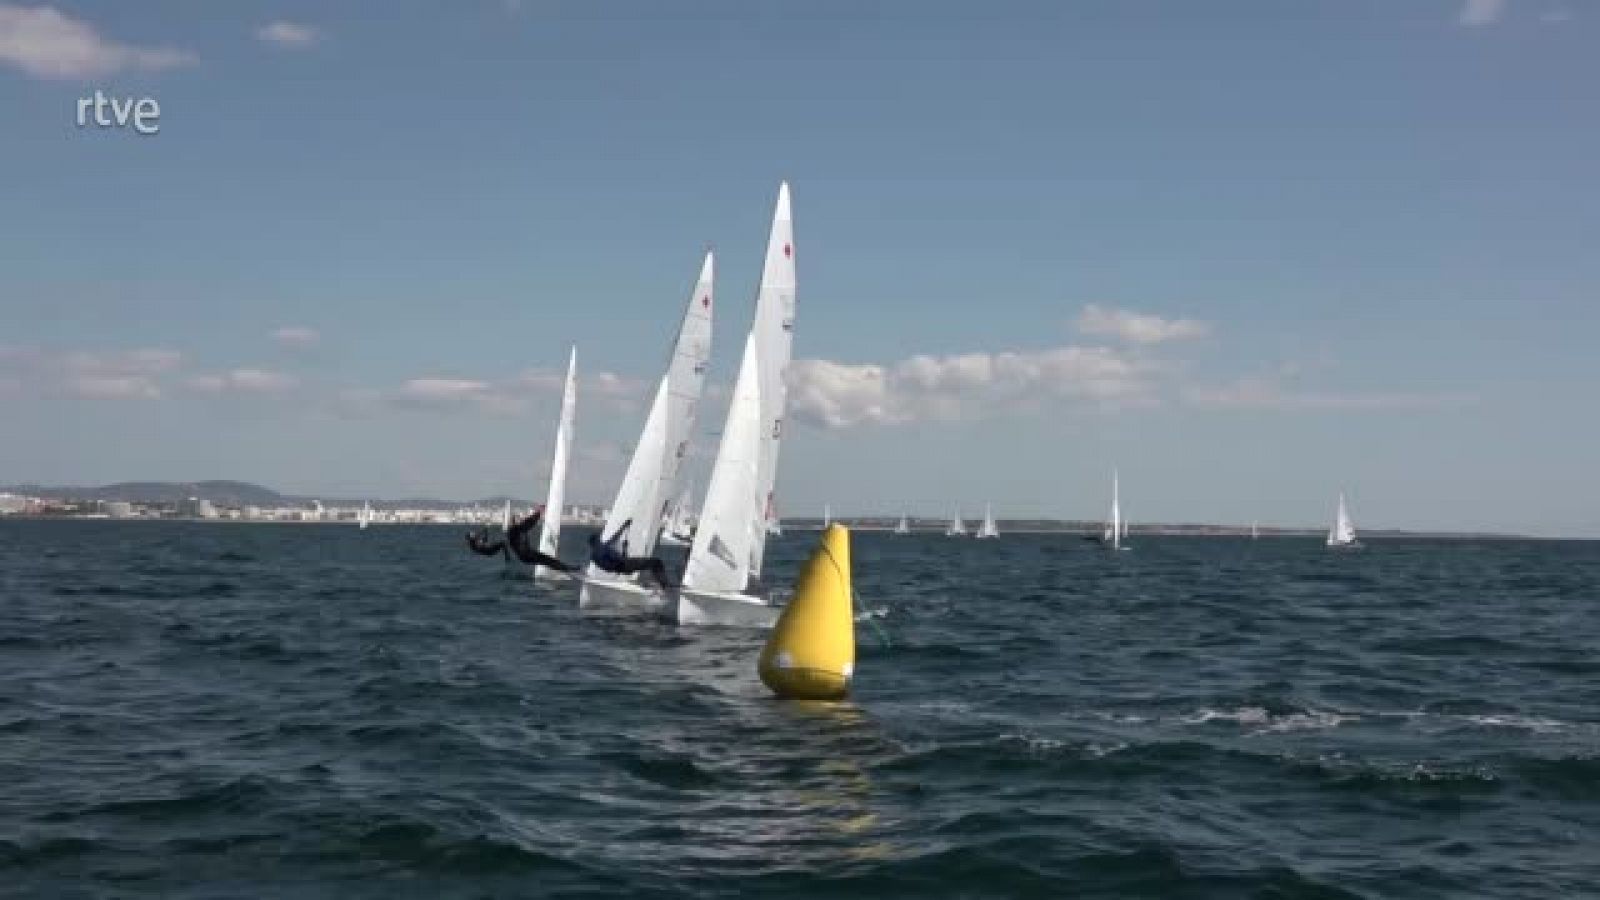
(299, 711)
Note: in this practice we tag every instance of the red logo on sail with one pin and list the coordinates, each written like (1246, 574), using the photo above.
(788, 251)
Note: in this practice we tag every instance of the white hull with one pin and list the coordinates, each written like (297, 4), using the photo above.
(672, 540)
(604, 595)
(712, 608)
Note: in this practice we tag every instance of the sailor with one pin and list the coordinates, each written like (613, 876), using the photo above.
(478, 541)
(517, 541)
(611, 555)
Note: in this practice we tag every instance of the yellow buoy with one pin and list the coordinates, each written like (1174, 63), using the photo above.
(812, 651)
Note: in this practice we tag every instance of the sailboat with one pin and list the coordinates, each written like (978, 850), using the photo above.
(653, 469)
(827, 516)
(1343, 532)
(677, 529)
(1254, 531)
(957, 527)
(988, 529)
(365, 517)
(556, 492)
(722, 581)
(1116, 528)
(903, 526)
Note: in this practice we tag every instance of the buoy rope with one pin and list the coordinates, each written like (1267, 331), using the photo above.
(855, 598)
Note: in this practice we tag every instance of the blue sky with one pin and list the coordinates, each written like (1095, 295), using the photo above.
(1252, 253)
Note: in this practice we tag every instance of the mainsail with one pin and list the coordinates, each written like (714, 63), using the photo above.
(664, 440)
(556, 494)
(730, 542)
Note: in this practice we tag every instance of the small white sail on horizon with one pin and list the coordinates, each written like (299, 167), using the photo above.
(1254, 531)
(988, 528)
(1116, 527)
(556, 491)
(903, 526)
(365, 517)
(957, 527)
(827, 516)
(1343, 532)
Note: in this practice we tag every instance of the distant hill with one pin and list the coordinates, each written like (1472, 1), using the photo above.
(229, 494)
(222, 493)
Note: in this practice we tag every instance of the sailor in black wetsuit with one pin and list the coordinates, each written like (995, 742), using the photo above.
(517, 540)
(479, 542)
(611, 555)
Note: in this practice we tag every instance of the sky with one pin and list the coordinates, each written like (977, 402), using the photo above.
(1249, 253)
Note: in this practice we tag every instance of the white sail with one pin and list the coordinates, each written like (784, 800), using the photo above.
(732, 520)
(740, 508)
(957, 527)
(556, 493)
(677, 526)
(1116, 529)
(903, 527)
(664, 440)
(1254, 531)
(505, 517)
(1343, 532)
(365, 518)
(988, 529)
(827, 515)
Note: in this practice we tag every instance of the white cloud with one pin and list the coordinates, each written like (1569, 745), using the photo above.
(1137, 328)
(934, 388)
(429, 389)
(1270, 394)
(296, 336)
(288, 35)
(143, 363)
(114, 388)
(1481, 12)
(46, 43)
(245, 381)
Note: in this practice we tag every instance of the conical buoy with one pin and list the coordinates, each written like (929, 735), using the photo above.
(812, 651)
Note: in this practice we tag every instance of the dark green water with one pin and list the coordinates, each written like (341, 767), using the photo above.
(273, 711)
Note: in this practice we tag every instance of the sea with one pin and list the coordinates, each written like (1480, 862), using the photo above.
(199, 710)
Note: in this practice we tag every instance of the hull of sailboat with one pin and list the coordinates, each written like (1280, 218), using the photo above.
(673, 540)
(692, 607)
(601, 595)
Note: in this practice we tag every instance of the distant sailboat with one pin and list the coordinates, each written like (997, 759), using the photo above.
(957, 527)
(1116, 528)
(988, 529)
(1343, 532)
(903, 527)
(556, 492)
(653, 470)
(827, 516)
(722, 580)
(365, 518)
(1254, 531)
(677, 529)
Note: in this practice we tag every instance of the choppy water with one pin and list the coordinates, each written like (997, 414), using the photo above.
(252, 711)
